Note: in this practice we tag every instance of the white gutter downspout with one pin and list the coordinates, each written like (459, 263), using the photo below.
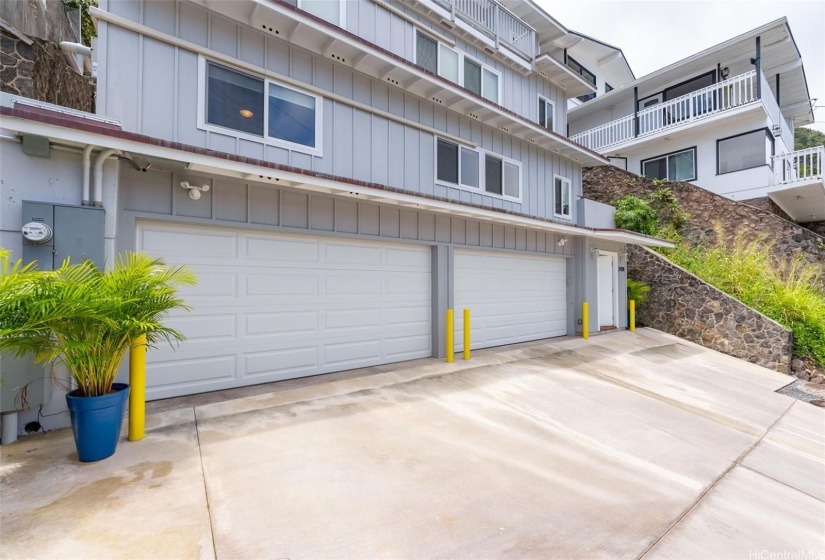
(87, 167)
(101, 159)
(70, 50)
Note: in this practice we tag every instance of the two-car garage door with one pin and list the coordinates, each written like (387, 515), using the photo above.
(272, 306)
(269, 307)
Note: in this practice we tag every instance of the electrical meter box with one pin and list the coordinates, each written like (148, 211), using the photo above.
(51, 233)
(54, 232)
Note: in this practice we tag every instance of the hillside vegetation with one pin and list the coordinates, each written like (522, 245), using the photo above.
(808, 138)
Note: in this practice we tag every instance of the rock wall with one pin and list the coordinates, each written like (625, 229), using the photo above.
(608, 183)
(39, 71)
(46, 19)
(684, 305)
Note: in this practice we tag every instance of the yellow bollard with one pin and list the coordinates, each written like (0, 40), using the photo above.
(450, 336)
(585, 321)
(632, 315)
(466, 334)
(137, 389)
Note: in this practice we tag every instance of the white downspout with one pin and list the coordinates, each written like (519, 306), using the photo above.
(71, 50)
(87, 167)
(101, 159)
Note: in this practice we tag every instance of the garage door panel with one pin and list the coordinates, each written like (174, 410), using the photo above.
(512, 297)
(292, 360)
(281, 250)
(286, 306)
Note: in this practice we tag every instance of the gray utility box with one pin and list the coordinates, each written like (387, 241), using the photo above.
(77, 233)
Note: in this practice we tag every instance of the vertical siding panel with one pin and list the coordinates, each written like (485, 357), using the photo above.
(321, 213)
(390, 222)
(223, 36)
(186, 111)
(158, 111)
(380, 150)
(193, 24)
(277, 56)
(253, 46)
(366, 21)
(160, 16)
(362, 143)
(409, 224)
(383, 28)
(343, 128)
(301, 68)
(324, 164)
(396, 154)
(346, 216)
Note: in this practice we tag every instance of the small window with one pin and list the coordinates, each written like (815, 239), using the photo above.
(607, 88)
(447, 161)
(511, 179)
(469, 167)
(562, 193)
(492, 174)
(426, 53)
(448, 63)
(291, 116)
(581, 70)
(472, 76)
(490, 85)
(234, 100)
(679, 166)
(546, 113)
(744, 151)
(329, 10)
(586, 98)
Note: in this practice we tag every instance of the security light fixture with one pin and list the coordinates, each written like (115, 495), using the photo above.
(725, 72)
(562, 242)
(594, 252)
(194, 190)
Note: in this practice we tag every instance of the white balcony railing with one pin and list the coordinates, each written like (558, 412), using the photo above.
(497, 22)
(801, 165)
(700, 104)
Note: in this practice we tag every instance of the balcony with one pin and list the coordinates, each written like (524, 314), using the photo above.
(801, 166)
(495, 22)
(698, 105)
(798, 186)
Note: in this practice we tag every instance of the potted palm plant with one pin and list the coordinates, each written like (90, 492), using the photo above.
(85, 319)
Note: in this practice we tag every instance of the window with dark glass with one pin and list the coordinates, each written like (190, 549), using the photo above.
(562, 194)
(234, 100)
(581, 70)
(469, 167)
(492, 174)
(546, 113)
(679, 166)
(744, 151)
(447, 164)
(607, 88)
(472, 76)
(586, 98)
(291, 115)
(426, 53)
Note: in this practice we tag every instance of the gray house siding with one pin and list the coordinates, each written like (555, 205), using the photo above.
(234, 203)
(163, 80)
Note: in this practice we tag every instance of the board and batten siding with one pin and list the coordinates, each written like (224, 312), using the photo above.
(152, 88)
(232, 203)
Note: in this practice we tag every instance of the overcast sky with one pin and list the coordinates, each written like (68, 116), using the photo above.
(655, 33)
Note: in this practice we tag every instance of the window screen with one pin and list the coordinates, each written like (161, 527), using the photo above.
(469, 168)
(449, 63)
(743, 152)
(511, 182)
(235, 100)
(291, 115)
(655, 168)
(490, 85)
(447, 165)
(426, 53)
(472, 76)
(492, 175)
(329, 10)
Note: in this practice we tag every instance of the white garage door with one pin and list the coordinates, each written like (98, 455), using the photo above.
(269, 307)
(512, 298)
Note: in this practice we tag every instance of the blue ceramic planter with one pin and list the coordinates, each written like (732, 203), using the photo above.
(96, 422)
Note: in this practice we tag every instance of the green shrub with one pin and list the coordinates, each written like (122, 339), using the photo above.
(635, 214)
(637, 291)
(789, 291)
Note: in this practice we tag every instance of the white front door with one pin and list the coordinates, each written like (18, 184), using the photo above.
(512, 297)
(272, 306)
(607, 281)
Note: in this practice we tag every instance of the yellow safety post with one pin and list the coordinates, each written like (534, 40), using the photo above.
(137, 389)
(466, 334)
(585, 325)
(450, 335)
(632, 315)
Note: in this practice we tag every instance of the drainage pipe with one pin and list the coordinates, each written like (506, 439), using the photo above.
(9, 430)
(71, 49)
(87, 167)
(101, 159)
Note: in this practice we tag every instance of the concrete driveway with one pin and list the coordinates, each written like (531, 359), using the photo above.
(624, 446)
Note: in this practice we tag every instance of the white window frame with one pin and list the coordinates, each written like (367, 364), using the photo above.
(667, 157)
(482, 177)
(317, 150)
(342, 12)
(461, 56)
(547, 102)
(569, 182)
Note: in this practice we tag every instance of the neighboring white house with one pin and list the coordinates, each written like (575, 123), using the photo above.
(723, 119)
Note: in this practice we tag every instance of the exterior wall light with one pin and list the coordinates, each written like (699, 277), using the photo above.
(594, 252)
(194, 190)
